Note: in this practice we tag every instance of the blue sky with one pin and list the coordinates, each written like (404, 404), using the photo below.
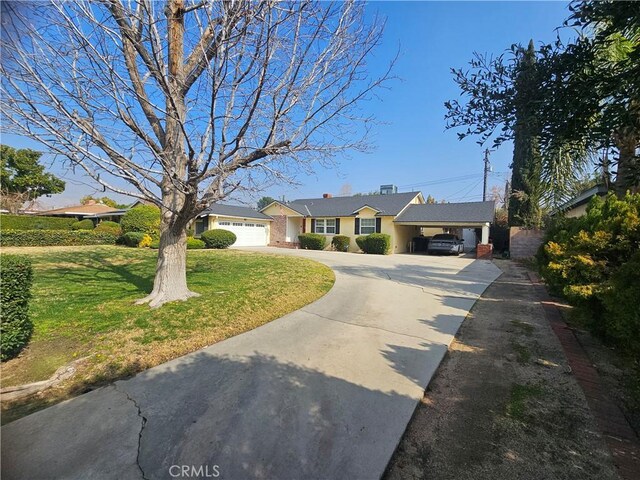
(411, 145)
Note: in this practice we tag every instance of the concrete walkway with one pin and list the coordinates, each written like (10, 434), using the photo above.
(324, 392)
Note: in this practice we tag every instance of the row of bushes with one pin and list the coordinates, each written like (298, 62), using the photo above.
(216, 238)
(376, 243)
(16, 277)
(47, 238)
(33, 222)
(594, 262)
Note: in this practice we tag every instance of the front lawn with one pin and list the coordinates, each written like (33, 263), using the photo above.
(82, 308)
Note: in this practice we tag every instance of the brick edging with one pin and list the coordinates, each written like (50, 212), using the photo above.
(620, 437)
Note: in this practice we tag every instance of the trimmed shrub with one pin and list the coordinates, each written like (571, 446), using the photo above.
(34, 222)
(194, 243)
(134, 239)
(312, 241)
(109, 227)
(376, 243)
(16, 276)
(85, 224)
(218, 238)
(341, 243)
(143, 218)
(155, 244)
(51, 238)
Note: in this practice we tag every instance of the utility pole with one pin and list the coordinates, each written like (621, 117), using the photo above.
(507, 194)
(487, 167)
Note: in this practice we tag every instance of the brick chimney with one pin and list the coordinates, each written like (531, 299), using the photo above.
(326, 195)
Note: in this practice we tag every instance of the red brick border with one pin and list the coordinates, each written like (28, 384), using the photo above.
(620, 437)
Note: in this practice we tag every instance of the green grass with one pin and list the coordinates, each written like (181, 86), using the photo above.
(516, 408)
(522, 352)
(83, 307)
(526, 328)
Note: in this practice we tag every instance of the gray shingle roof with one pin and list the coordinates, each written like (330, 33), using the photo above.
(235, 211)
(468, 212)
(390, 204)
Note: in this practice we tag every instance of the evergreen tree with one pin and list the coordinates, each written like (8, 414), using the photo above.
(524, 205)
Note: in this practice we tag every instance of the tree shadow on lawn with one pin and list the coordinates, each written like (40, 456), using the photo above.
(100, 270)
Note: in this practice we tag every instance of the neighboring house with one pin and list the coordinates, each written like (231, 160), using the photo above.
(250, 226)
(577, 206)
(90, 210)
(403, 216)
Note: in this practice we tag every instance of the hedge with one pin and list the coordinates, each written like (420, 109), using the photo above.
(192, 244)
(109, 227)
(16, 276)
(312, 241)
(50, 238)
(218, 238)
(195, 243)
(34, 222)
(85, 224)
(134, 239)
(143, 218)
(376, 243)
(341, 243)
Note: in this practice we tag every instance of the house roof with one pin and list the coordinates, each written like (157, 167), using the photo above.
(467, 212)
(234, 211)
(90, 209)
(390, 204)
(583, 198)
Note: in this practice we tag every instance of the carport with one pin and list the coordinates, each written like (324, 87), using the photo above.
(476, 215)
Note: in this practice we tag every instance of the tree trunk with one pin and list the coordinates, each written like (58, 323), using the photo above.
(170, 283)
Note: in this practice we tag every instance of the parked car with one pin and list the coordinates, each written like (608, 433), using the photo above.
(446, 243)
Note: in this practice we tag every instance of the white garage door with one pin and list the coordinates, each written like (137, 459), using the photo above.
(250, 234)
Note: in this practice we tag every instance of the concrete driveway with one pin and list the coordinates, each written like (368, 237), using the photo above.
(324, 392)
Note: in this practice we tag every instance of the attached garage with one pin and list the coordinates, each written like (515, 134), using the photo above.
(250, 234)
(251, 227)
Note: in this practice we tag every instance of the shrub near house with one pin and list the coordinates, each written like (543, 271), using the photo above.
(594, 262)
(218, 238)
(375, 243)
(312, 241)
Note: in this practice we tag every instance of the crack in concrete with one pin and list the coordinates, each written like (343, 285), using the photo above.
(366, 326)
(140, 433)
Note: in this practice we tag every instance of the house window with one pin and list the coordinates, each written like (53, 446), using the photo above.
(226, 224)
(249, 224)
(326, 225)
(237, 224)
(367, 226)
(261, 225)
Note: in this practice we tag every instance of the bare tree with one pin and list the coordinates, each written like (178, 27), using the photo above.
(186, 102)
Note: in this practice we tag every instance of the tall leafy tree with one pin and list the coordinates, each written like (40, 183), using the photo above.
(264, 201)
(592, 87)
(524, 206)
(23, 178)
(501, 100)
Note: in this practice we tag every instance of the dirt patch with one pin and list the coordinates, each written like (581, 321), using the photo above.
(503, 404)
